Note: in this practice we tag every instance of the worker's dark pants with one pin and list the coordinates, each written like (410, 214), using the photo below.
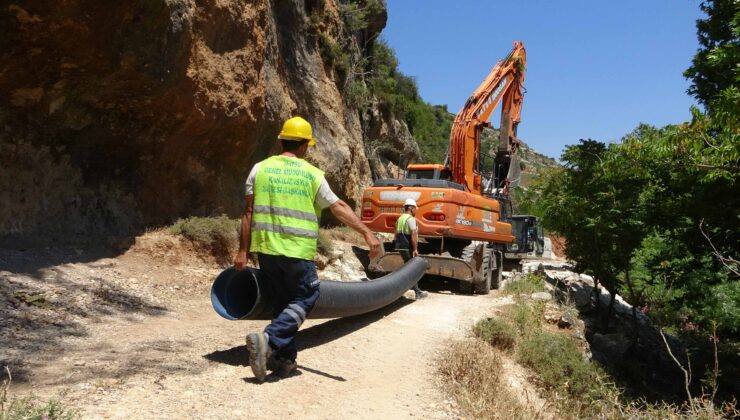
(406, 255)
(294, 284)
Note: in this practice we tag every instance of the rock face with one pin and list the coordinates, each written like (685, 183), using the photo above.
(118, 116)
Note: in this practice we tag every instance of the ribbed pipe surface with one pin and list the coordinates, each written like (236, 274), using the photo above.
(241, 294)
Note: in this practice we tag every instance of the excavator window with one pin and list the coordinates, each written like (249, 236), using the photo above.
(422, 174)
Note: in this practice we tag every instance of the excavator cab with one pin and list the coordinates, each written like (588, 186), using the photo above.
(428, 171)
(529, 235)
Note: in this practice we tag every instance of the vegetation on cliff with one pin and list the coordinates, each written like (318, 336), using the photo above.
(367, 74)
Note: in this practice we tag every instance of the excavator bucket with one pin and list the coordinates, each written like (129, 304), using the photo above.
(515, 172)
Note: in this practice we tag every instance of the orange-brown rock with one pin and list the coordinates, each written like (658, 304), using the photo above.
(116, 116)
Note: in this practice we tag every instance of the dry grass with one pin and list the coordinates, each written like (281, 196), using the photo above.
(473, 374)
(344, 234)
(700, 408)
(217, 235)
(324, 243)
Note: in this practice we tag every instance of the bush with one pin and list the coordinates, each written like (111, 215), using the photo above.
(558, 363)
(217, 235)
(526, 284)
(528, 316)
(497, 332)
(30, 409)
(357, 94)
(334, 55)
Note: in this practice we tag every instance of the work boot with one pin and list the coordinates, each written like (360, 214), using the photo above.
(281, 367)
(420, 294)
(272, 363)
(285, 368)
(259, 353)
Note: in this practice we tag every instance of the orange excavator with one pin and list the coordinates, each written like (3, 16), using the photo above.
(464, 210)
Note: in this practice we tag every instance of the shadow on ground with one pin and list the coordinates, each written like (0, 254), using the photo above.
(313, 336)
(42, 302)
(29, 255)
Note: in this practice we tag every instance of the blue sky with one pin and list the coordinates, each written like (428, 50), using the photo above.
(595, 69)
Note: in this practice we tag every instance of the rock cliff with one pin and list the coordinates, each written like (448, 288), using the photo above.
(118, 116)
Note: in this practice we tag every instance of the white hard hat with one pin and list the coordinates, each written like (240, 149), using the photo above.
(409, 202)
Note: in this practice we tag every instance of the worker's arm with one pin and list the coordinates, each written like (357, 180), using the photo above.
(240, 261)
(346, 215)
(414, 242)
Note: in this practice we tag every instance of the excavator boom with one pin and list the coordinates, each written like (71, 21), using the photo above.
(504, 84)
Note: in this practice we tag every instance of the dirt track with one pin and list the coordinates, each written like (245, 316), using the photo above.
(164, 358)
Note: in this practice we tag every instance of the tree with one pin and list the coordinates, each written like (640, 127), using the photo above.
(595, 204)
(714, 68)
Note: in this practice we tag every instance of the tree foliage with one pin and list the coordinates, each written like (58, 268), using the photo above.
(714, 68)
(656, 217)
(649, 224)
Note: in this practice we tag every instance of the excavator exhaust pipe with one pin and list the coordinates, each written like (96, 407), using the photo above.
(242, 294)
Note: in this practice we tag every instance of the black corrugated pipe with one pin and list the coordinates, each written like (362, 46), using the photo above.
(241, 294)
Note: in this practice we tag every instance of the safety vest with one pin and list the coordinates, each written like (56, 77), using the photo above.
(285, 218)
(401, 224)
(403, 233)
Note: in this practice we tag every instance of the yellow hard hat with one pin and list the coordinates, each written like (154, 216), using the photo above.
(297, 129)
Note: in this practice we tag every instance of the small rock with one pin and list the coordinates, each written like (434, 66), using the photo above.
(336, 254)
(321, 261)
(543, 296)
(612, 345)
(581, 296)
(552, 318)
(566, 321)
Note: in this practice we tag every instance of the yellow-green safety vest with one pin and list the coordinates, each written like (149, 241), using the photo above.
(401, 224)
(403, 233)
(285, 218)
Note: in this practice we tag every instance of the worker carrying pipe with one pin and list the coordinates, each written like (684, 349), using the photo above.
(284, 198)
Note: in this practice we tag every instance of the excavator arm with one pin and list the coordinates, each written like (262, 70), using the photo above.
(503, 85)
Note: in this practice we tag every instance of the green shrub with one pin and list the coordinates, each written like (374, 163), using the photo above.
(357, 94)
(334, 55)
(526, 284)
(218, 235)
(528, 316)
(497, 332)
(558, 363)
(30, 409)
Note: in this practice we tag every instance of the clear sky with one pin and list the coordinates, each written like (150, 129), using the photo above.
(595, 69)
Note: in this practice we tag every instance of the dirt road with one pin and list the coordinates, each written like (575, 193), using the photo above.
(177, 359)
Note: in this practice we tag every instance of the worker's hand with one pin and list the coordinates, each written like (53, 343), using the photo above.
(240, 261)
(373, 243)
(415, 253)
